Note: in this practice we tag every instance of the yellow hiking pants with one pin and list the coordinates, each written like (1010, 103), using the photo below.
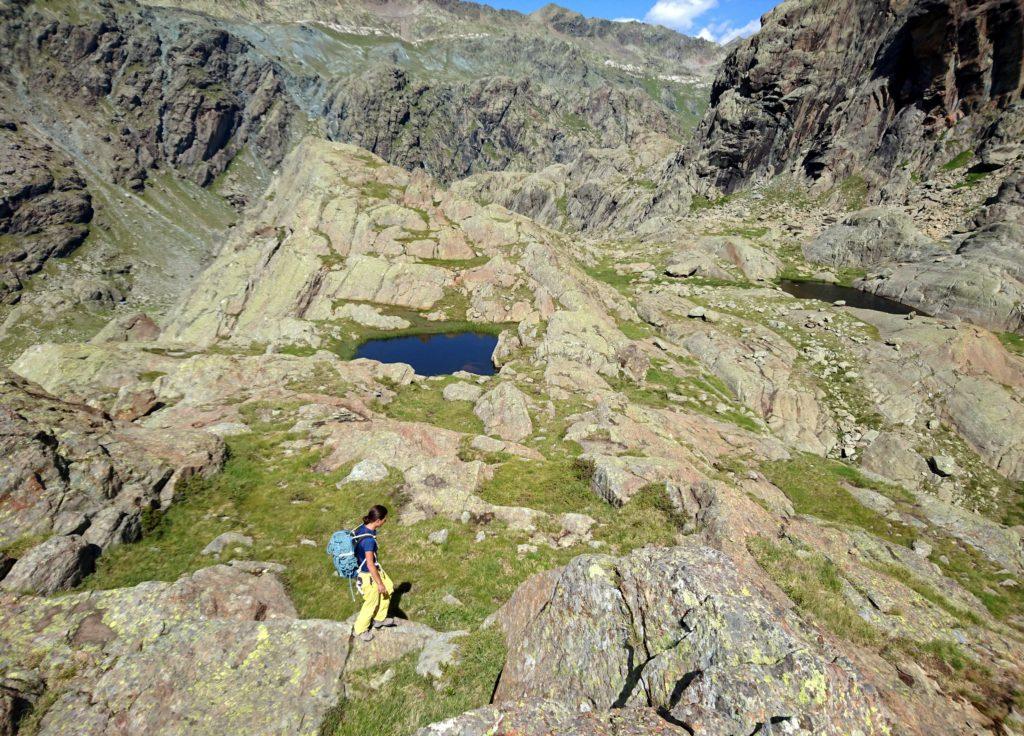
(375, 608)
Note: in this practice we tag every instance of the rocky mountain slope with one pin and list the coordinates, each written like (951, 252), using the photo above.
(685, 501)
(878, 89)
(169, 118)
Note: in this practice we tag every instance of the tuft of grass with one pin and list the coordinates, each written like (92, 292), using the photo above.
(467, 685)
(563, 486)
(959, 161)
(815, 586)
(699, 202)
(605, 271)
(980, 576)
(1012, 342)
(923, 589)
(425, 403)
(854, 192)
(815, 486)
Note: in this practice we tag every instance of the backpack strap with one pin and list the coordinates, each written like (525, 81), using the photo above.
(356, 538)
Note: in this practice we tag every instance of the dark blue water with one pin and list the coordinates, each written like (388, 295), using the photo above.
(435, 355)
(853, 297)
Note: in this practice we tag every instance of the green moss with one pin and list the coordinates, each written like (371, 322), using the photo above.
(854, 192)
(149, 376)
(959, 161)
(576, 123)
(1012, 342)
(459, 263)
(752, 232)
(380, 190)
(699, 202)
(408, 702)
(972, 179)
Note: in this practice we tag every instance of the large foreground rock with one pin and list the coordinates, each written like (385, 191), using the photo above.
(680, 630)
(216, 652)
(544, 717)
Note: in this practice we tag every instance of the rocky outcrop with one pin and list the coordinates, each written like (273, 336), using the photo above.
(682, 631)
(45, 207)
(543, 717)
(453, 130)
(175, 91)
(68, 469)
(220, 650)
(861, 86)
(340, 226)
(760, 374)
(57, 564)
(870, 237)
(504, 412)
(979, 279)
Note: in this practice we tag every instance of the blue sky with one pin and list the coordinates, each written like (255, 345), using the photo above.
(719, 20)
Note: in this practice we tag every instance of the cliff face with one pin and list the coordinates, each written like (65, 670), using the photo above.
(876, 87)
(491, 124)
(143, 90)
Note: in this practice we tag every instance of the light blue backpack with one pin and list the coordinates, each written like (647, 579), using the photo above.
(342, 551)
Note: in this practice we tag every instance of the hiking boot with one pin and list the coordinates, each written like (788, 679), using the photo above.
(389, 621)
(365, 636)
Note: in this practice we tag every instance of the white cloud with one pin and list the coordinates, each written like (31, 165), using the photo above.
(742, 32)
(725, 32)
(626, 20)
(678, 14)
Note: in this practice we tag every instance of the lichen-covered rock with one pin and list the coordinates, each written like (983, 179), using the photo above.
(505, 412)
(219, 651)
(462, 391)
(57, 564)
(69, 469)
(681, 630)
(545, 717)
(870, 237)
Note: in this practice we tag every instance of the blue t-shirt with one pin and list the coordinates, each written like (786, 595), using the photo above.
(364, 545)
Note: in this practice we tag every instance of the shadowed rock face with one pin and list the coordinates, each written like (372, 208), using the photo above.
(44, 206)
(826, 89)
(175, 91)
(460, 128)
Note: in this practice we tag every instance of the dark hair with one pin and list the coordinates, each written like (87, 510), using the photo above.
(376, 513)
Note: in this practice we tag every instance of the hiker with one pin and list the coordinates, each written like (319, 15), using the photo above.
(374, 584)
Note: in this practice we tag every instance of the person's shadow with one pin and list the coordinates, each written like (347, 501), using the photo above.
(395, 609)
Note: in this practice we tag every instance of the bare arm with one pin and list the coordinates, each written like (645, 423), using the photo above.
(371, 566)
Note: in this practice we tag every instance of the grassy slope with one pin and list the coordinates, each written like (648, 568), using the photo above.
(277, 497)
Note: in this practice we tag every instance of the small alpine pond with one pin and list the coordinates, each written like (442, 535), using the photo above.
(435, 354)
(831, 293)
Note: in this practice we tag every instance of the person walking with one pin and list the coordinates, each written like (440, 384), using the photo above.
(373, 583)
